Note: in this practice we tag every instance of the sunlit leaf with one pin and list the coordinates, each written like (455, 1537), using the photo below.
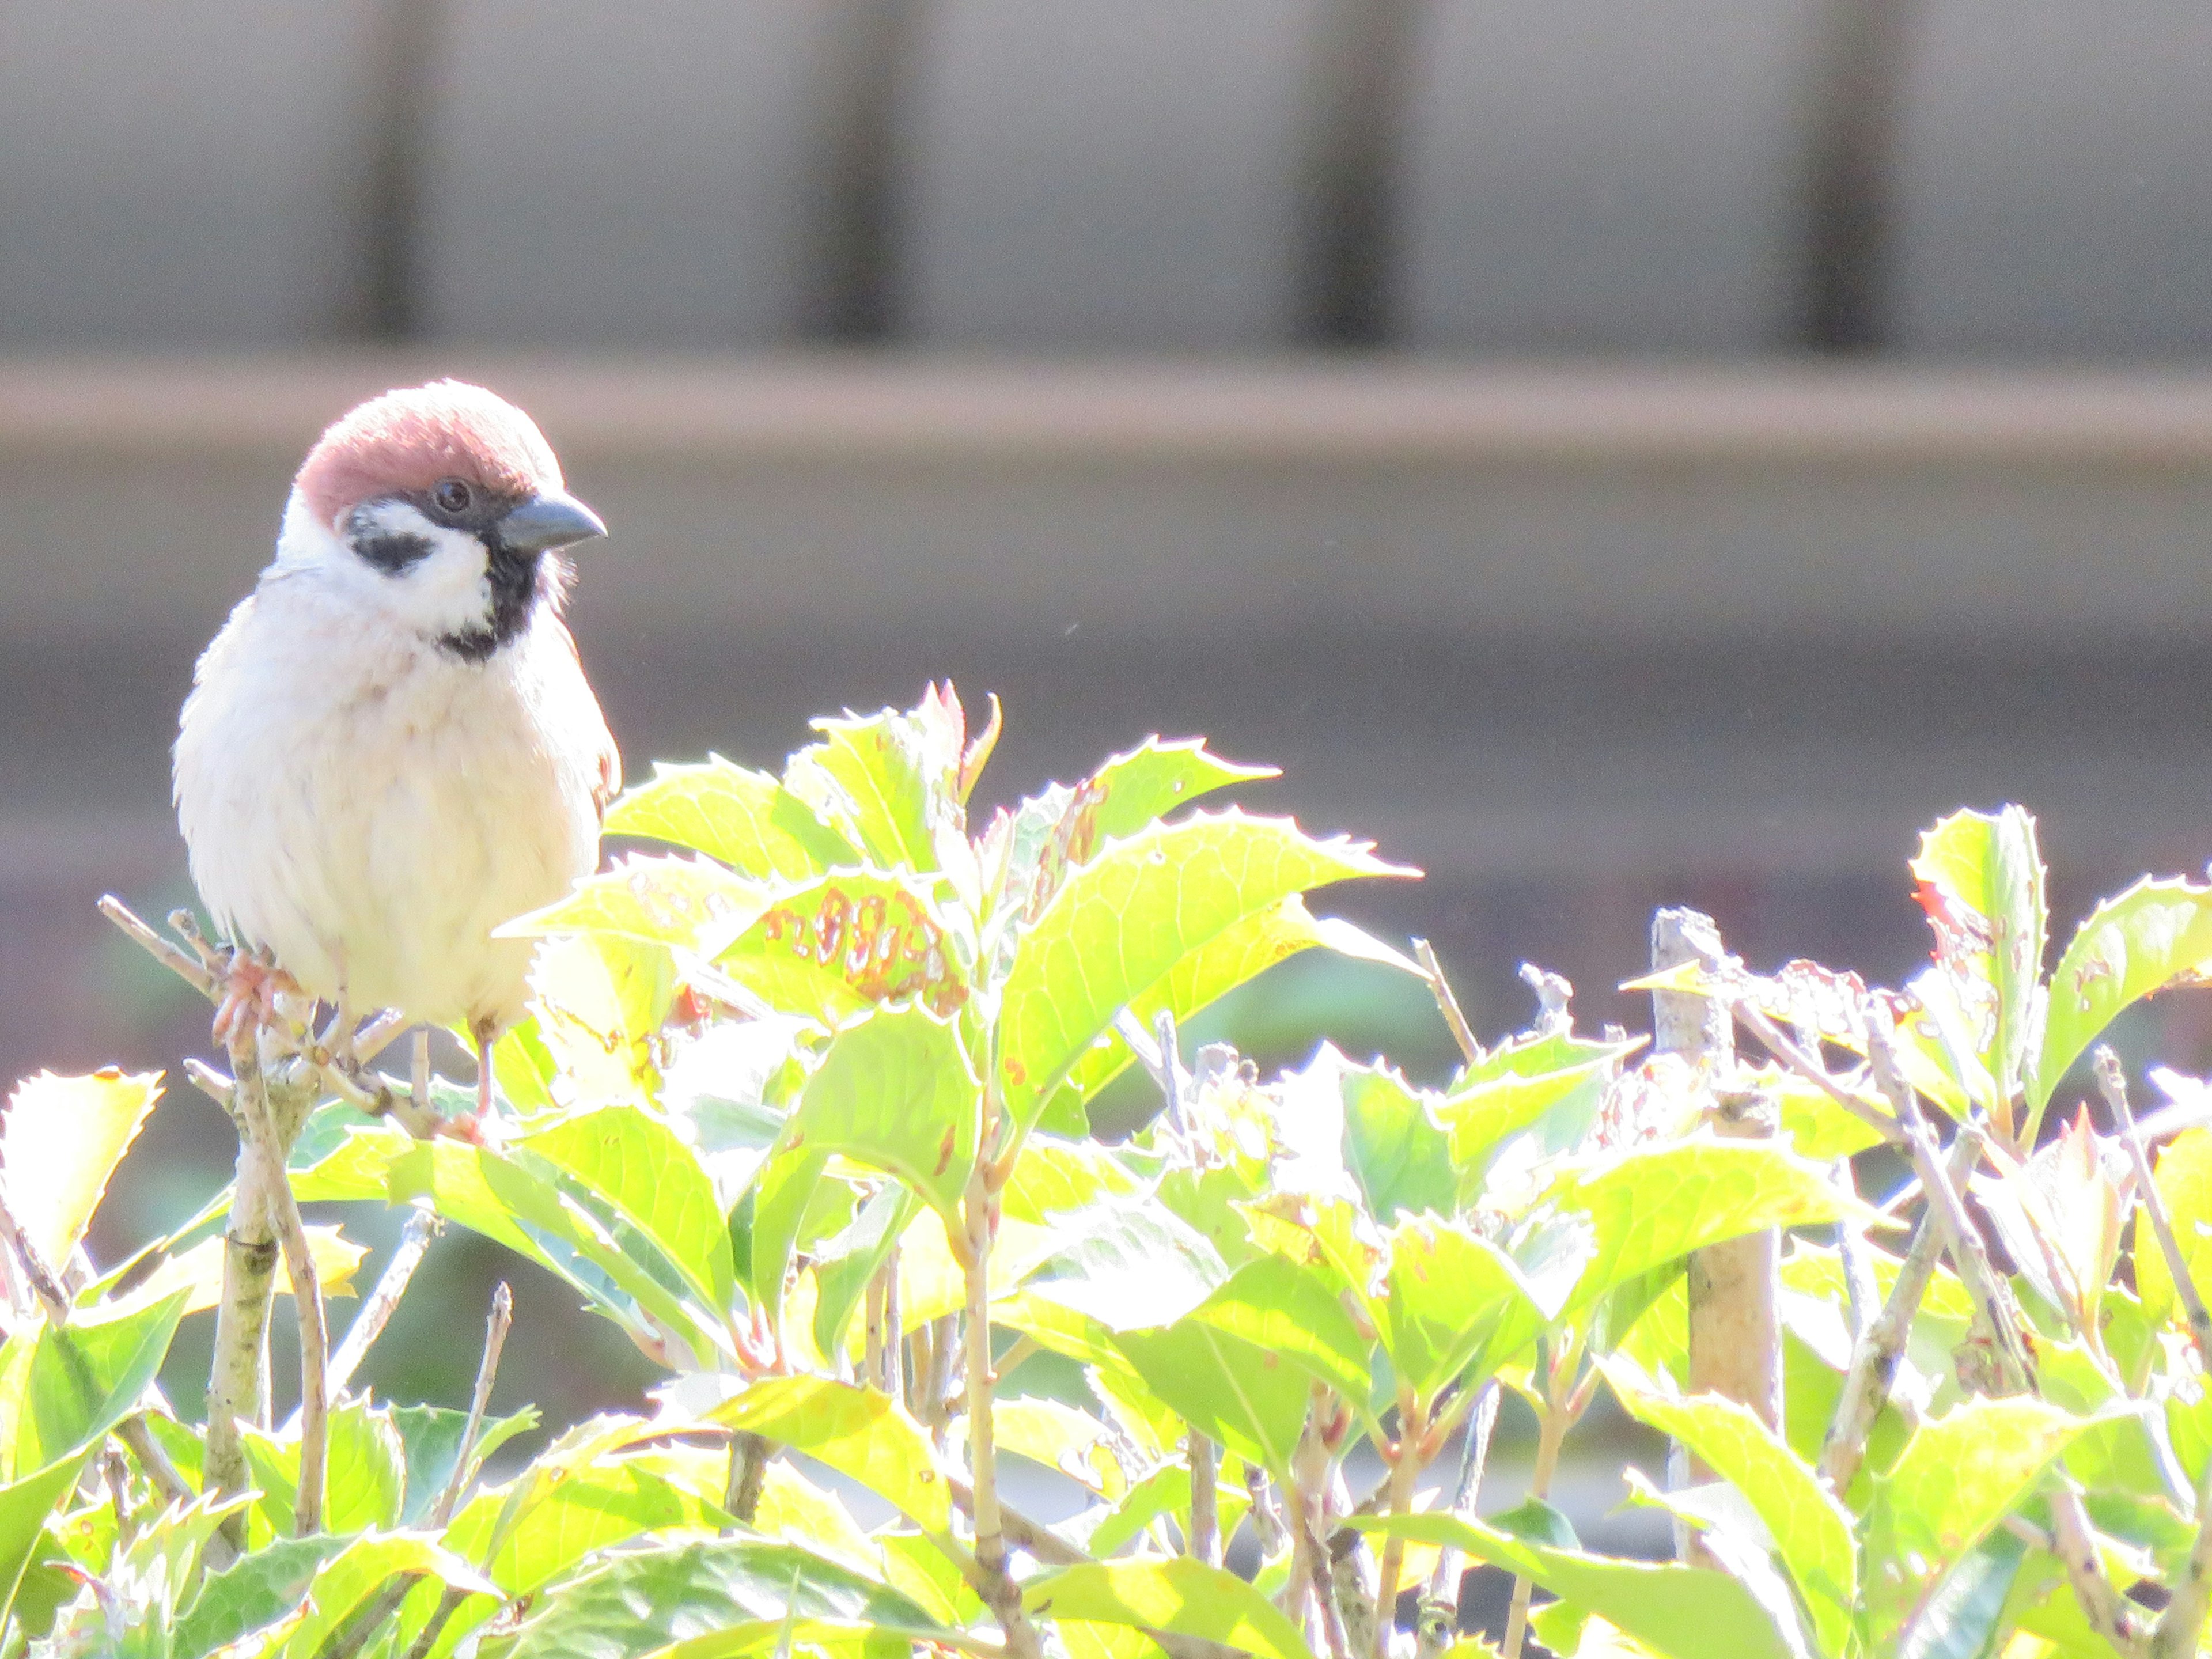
(1516, 1086)
(1981, 881)
(61, 1140)
(1812, 1532)
(361, 1571)
(885, 780)
(856, 1432)
(254, 1592)
(1924, 1515)
(1251, 1399)
(2184, 1178)
(633, 1161)
(1181, 1595)
(1684, 1612)
(2155, 934)
(1130, 1264)
(843, 943)
(599, 999)
(84, 1378)
(690, 904)
(746, 819)
(896, 1091)
(1124, 919)
(1452, 1297)
(198, 1271)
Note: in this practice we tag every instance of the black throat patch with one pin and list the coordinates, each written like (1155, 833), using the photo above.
(515, 576)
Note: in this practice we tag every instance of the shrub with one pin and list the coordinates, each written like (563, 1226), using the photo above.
(801, 1107)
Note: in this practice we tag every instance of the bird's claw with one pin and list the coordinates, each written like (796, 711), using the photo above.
(251, 986)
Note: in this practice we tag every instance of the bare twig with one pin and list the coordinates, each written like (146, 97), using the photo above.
(1405, 1460)
(2113, 1083)
(423, 1226)
(1032, 1538)
(741, 1491)
(1550, 1431)
(996, 1584)
(497, 1326)
(1994, 1312)
(1205, 1540)
(2106, 1608)
(1448, 1005)
(2180, 1627)
(1796, 1059)
(1474, 1453)
(249, 1276)
(265, 1144)
(192, 968)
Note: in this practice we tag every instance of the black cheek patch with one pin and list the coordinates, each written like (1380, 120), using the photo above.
(393, 551)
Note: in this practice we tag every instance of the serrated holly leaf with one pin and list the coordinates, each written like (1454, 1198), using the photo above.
(599, 999)
(746, 819)
(1513, 1088)
(856, 1432)
(1132, 1264)
(81, 1379)
(1251, 1399)
(1240, 953)
(1812, 1532)
(1181, 1595)
(1123, 921)
(2184, 1178)
(632, 1161)
(596, 1506)
(895, 1092)
(1393, 1145)
(432, 1436)
(1653, 1206)
(61, 1140)
(1055, 1434)
(715, 1600)
(842, 944)
(350, 1579)
(885, 780)
(1452, 1299)
(689, 904)
(1278, 1308)
(2155, 934)
(253, 1593)
(1924, 1515)
(1981, 882)
(1683, 1612)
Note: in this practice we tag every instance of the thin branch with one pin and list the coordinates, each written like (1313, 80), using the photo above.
(995, 1585)
(2180, 1627)
(187, 967)
(1474, 1455)
(264, 1144)
(423, 1226)
(1205, 1540)
(1785, 1048)
(1448, 1005)
(1405, 1469)
(1553, 1423)
(2113, 1083)
(2015, 1371)
(497, 1326)
(1032, 1538)
(2106, 1608)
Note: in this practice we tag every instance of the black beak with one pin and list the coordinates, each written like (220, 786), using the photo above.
(553, 520)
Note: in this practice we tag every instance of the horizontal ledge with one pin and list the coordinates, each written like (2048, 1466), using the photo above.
(1359, 411)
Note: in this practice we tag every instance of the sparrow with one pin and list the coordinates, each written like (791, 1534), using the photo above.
(391, 747)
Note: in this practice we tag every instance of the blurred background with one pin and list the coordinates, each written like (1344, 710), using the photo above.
(1611, 452)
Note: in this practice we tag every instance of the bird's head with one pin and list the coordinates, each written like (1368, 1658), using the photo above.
(442, 507)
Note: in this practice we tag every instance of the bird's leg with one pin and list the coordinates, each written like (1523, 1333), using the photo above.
(250, 987)
(485, 1034)
(337, 1040)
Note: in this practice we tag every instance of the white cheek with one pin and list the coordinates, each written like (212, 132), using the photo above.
(444, 592)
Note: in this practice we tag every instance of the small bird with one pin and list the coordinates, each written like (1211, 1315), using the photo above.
(391, 747)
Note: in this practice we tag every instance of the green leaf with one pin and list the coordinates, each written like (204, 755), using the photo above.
(1239, 952)
(1452, 1298)
(1054, 1178)
(885, 780)
(856, 1432)
(1812, 1532)
(1276, 1307)
(1135, 1263)
(1982, 884)
(1073, 1442)
(593, 1507)
(2156, 935)
(845, 942)
(1251, 1399)
(1684, 1612)
(1152, 780)
(844, 1265)
(599, 999)
(2184, 1179)
(1965, 1617)
(632, 1160)
(689, 904)
(432, 1436)
(896, 1091)
(746, 819)
(360, 1572)
(1924, 1515)
(1396, 1148)
(1121, 921)
(254, 1592)
(86, 1377)
(25, 1503)
(1652, 1205)
(60, 1141)
(703, 1599)
(1180, 1594)
(1514, 1087)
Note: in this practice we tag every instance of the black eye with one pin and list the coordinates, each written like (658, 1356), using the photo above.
(453, 495)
